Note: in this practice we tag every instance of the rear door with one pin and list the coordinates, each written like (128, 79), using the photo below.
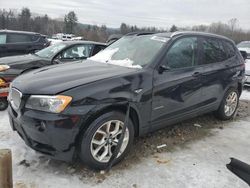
(218, 70)
(3, 47)
(177, 92)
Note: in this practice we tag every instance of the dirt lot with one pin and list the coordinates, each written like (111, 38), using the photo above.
(195, 156)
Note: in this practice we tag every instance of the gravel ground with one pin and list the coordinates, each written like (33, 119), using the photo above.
(195, 156)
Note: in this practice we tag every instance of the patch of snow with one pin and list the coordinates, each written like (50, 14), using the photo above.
(245, 95)
(106, 55)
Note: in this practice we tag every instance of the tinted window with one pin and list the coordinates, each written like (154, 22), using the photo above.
(183, 53)
(230, 50)
(213, 51)
(34, 37)
(18, 38)
(3, 38)
(97, 49)
(77, 52)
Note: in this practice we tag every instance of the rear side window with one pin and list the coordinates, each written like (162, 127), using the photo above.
(213, 51)
(3, 38)
(18, 38)
(230, 50)
(183, 53)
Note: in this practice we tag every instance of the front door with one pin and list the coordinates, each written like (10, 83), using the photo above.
(177, 91)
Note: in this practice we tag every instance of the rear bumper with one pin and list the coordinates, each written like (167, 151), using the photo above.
(50, 134)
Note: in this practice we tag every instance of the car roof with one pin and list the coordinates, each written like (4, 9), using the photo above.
(83, 42)
(180, 33)
(19, 32)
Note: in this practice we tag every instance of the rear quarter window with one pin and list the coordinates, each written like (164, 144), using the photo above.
(34, 38)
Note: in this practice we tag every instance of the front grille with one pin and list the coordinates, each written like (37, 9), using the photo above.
(15, 98)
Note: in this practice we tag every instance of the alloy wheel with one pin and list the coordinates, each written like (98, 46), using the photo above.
(105, 140)
(231, 104)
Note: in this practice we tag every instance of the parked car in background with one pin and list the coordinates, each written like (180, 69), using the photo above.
(247, 81)
(20, 42)
(53, 41)
(78, 110)
(245, 46)
(11, 67)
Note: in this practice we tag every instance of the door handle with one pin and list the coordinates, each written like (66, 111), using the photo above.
(196, 74)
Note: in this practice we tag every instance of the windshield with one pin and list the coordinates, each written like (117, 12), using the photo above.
(244, 45)
(51, 50)
(131, 51)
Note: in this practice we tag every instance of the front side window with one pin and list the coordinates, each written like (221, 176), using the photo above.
(3, 38)
(77, 52)
(132, 51)
(18, 38)
(183, 53)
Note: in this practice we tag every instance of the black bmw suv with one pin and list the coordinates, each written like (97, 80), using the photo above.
(78, 110)
(21, 42)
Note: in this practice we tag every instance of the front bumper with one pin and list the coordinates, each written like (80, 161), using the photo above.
(51, 134)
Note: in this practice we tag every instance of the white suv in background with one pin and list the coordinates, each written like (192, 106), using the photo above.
(245, 46)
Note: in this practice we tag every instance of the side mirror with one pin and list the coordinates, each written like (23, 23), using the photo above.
(163, 68)
(244, 54)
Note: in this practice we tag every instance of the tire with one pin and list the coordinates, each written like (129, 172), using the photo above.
(221, 113)
(96, 132)
(3, 103)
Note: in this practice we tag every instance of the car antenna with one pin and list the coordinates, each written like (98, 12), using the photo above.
(120, 141)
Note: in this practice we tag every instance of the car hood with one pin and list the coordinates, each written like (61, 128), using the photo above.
(58, 78)
(14, 61)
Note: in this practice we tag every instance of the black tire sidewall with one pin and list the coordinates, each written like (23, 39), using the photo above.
(221, 112)
(4, 102)
(86, 137)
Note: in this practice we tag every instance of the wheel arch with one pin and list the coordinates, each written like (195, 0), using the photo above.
(120, 108)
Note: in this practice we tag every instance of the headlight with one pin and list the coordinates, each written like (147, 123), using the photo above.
(2, 81)
(54, 104)
(4, 67)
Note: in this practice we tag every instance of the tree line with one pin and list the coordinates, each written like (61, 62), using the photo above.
(26, 21)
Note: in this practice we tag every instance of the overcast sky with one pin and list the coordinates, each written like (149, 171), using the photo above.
(159, 13)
